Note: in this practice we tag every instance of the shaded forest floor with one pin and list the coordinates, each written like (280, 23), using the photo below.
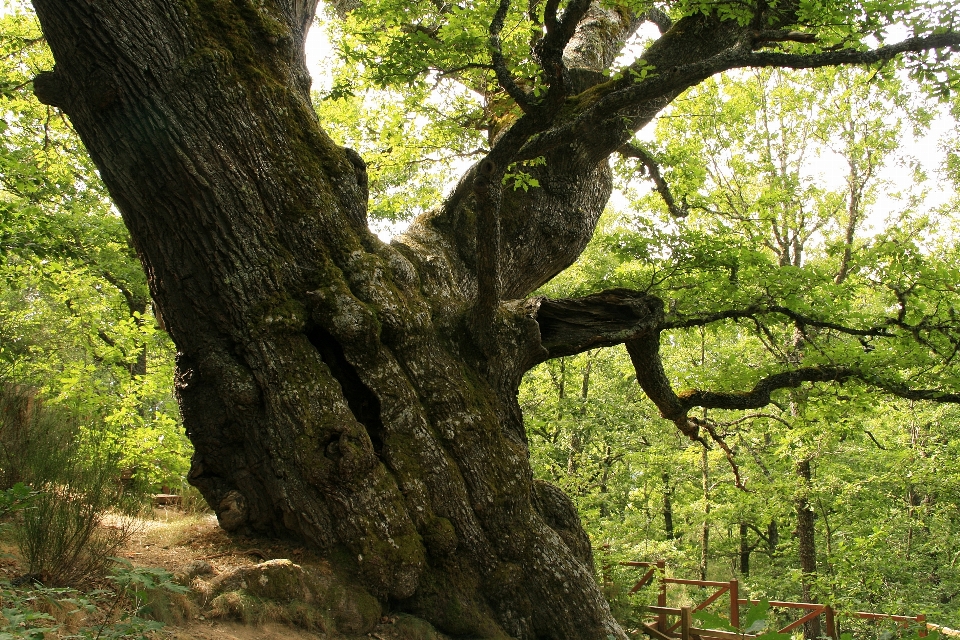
(239, 589)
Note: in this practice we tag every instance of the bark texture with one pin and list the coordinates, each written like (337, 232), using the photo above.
(356, 395)
(332, 385)
(807, 543)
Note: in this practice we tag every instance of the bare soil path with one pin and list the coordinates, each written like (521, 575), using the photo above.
(244, 588)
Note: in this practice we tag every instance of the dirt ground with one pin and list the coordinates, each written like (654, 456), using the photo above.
(174, 540)
(180, 543)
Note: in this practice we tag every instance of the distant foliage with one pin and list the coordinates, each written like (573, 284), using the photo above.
(787, 181)
(76, 323)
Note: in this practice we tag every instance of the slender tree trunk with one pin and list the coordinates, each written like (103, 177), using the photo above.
(705, 529)
(575, 450)
(138, 308)
(609, 459)
(773, 536)
(744, 549)
(562, 382)
(806, 543)
(667, 506)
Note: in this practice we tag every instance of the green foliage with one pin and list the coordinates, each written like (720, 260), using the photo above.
(517, 178)
(75, 319)
(765, 227)
(123, 610)
(21, 621)
(138, 594)
(14, 499)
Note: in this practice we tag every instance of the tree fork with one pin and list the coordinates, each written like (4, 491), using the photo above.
(326, 395)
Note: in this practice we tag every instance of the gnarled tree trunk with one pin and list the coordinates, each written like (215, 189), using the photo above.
(357, 395)
(334, 386)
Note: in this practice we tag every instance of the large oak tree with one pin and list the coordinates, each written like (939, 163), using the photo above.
(361, 396)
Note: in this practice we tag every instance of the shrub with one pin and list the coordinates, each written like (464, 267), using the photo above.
(60, 536)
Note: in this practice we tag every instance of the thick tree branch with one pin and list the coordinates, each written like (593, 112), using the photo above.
(659, 18)
(919, 44)
(645, 355)
(607, 110)
(763, 37)
(488, 193)
(921, 332)
(549, 49)
(574, 325)
(544, 229)
(759, 396)
(644, 351)
(504, 77)
(299, 14)
(754, 311)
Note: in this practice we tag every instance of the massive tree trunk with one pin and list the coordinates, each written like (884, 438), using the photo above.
(335, 387)
(357, 395)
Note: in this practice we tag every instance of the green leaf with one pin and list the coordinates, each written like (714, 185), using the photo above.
(755, 619)
(709, 620)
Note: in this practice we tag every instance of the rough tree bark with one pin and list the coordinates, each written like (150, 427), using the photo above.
(332, 385)
(807, 543)
(356, 395)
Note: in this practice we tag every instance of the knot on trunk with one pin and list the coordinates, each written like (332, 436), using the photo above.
(51, 88)
(99, 89)
(232, 511)
(485, 174)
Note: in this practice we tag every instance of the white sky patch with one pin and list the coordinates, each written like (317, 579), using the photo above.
(318, 50)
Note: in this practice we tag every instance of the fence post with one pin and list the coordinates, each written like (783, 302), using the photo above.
(922, 621)
(662, 596)
(831, 623)
(686, 621)
(735, 604)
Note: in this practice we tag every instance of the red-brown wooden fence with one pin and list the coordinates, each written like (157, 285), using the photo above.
(683, 627)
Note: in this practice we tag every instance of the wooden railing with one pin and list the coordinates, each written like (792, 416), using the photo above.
(684, 629)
